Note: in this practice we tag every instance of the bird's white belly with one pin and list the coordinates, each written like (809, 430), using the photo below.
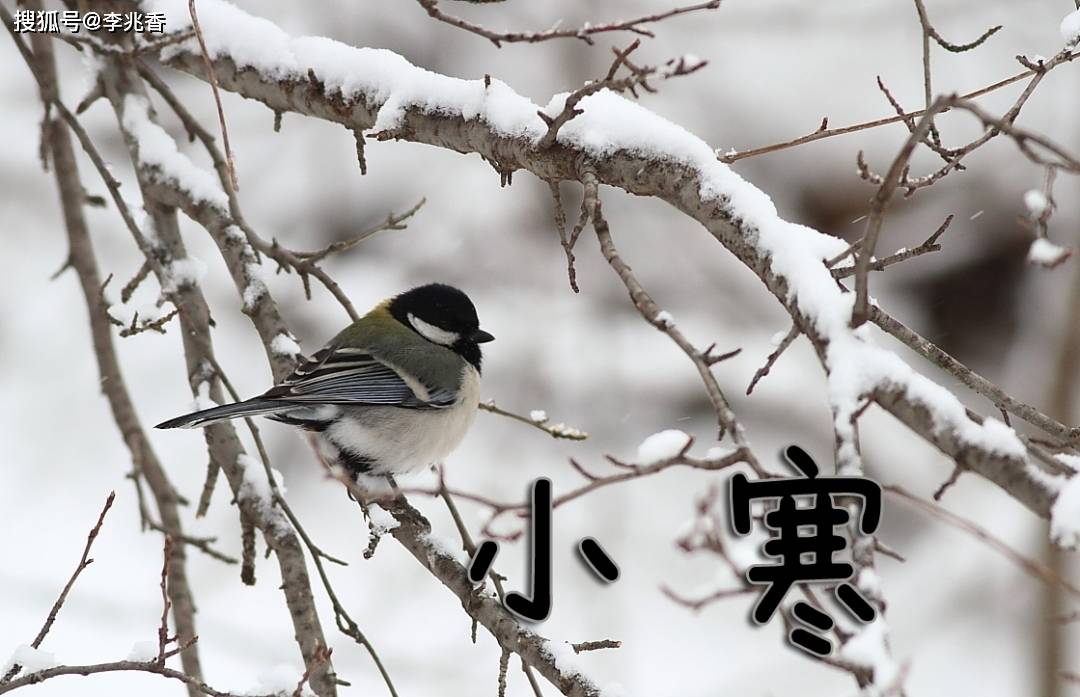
(400, 440)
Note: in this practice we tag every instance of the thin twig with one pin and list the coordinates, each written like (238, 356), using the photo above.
(84, 561)
(820, 134)
(1028, 565)
(554, 430)
(584, 33)
(861, 311)
(233, 181)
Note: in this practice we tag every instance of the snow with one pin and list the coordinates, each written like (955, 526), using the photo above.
(182, 273)
(1043, 252)
(445, 545)
(157, 149)
(1070, 28)
(609, 123)
(1036, 203)
(146, 310)
(869, 648)
(32, 660)
(745, 552)
(664, 318)
(143, 651)
(284, 345)
(661, 446)
(717, 453)
(1065, 515)
(538, 416)
(256, 287)
(381, 519)
(202, 397)
(565, 658)
(561, 429)
(638, 411)
(869, 582)
(256, 488)
(1071, 461)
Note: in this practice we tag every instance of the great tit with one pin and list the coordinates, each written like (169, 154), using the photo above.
(395, 390)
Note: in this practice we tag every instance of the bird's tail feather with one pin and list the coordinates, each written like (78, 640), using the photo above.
(208, 417)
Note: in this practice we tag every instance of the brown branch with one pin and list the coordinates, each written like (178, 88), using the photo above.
(648, 309)
(1029, 566)
(82, 258)
(584, 33)
(345, 623)
(638, 78)
(394, 221)
(195, 686)
(861, 311)
(163, 628)
(564, 240)
(496, 580)
(218, 223)
(928, 33)
(84, 561)
(200, 543)
(628, 472)
(234, 183)
(412, 531)
(596, 645)
(928, 246)
(930, 351)
(122, 85)
(792, 334)
(876, 123)
(660, 174)
(554, 430)
(1066, 161)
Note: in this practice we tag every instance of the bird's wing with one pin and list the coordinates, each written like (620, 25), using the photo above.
(354, 376)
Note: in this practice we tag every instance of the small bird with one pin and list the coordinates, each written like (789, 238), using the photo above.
(394, 391)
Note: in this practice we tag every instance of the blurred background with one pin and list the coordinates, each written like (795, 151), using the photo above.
(960, 615)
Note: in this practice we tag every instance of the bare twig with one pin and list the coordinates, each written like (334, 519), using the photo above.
(233, 181)
(876, 123)
(584, 33)
(1029, 566)
(82, 258)
(928, 246)
(653, 315)
(638, 78)
(195, 686)
(536, 421)
(792, 334)
(163, 628)
(861, 311)
(84, 561)
(596, 645)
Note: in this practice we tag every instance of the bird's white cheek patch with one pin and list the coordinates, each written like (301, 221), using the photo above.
(433, 333)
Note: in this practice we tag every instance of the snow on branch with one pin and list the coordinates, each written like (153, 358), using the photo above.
(631, 148)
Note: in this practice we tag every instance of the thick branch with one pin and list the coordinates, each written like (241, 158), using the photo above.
(83, 259)
(124, 90)
(412, 531)
(686, 182)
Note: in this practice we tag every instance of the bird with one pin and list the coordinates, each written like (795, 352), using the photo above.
(394, 391)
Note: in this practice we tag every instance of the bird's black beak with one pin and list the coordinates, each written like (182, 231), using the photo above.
(481, 337)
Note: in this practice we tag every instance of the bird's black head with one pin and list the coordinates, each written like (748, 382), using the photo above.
(443, 315)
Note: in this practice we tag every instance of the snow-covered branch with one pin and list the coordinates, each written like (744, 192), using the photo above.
(628, 147)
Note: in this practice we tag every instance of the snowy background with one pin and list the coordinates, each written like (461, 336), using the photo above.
(776, 68)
